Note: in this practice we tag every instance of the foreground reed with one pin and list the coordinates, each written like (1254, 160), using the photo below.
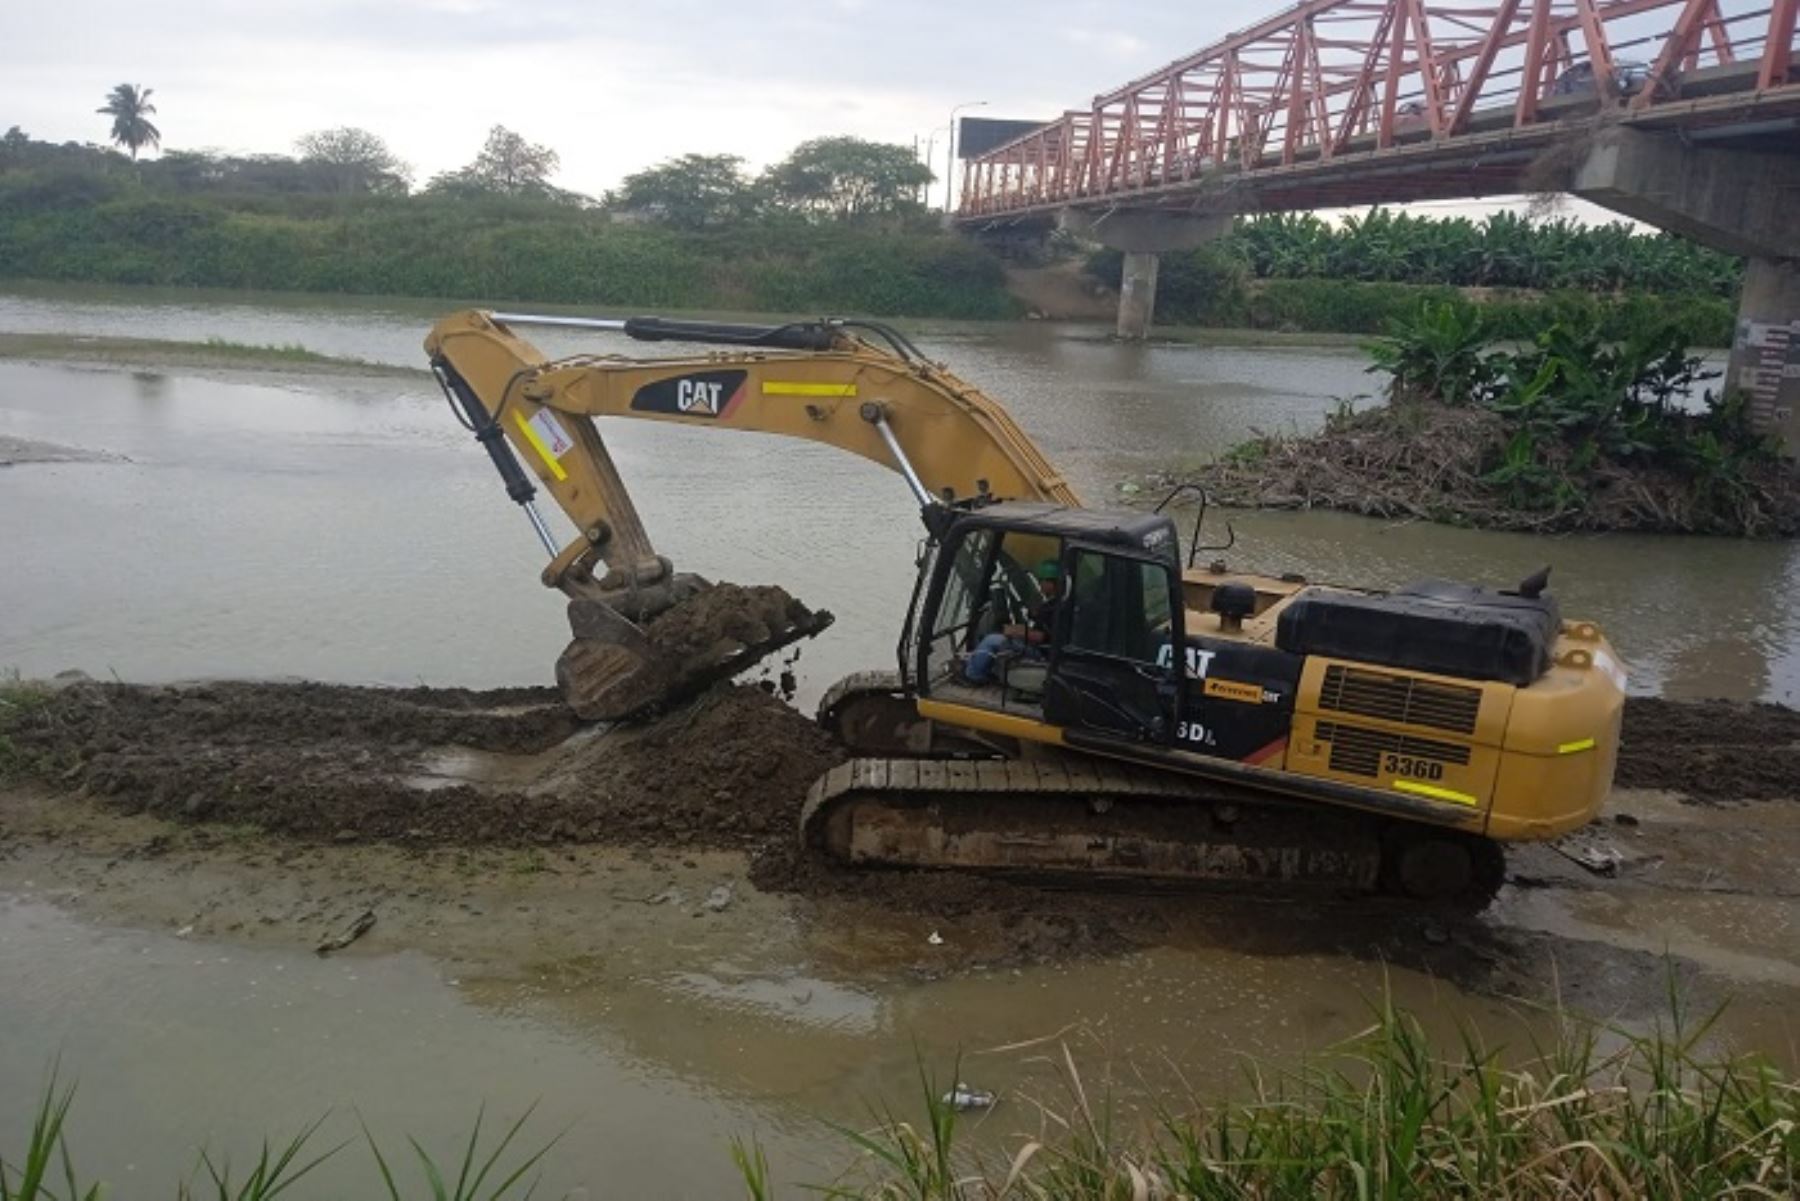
(1597, 1113)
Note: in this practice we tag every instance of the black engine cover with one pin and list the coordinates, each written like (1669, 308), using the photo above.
(1448, 629)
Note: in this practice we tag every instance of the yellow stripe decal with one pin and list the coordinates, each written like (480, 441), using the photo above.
(537, 444)
(788, 388)
(975, 718)
(1437, 794)
(1570, 748)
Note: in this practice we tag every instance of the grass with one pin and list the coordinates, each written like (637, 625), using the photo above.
(18, 699)
(1599, 1114)
(46, 1170)
(1596, 1114)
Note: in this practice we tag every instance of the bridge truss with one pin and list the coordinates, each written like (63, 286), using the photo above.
(1353, 101)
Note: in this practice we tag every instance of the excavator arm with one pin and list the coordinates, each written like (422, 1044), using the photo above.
(818, 381)
(862, 388)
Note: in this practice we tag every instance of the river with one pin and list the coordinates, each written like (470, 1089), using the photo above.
(275, 522)
(271, 523)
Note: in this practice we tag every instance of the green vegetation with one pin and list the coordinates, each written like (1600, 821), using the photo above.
(129, 106)
(1595, 1112)
(46, 1171)
(829, 238)
(1501, 251)
(18, 699)
(836, 226)
(1390, 1116)
(1298, 272)
(1566, 432)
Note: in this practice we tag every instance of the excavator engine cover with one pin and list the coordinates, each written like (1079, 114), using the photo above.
(1431, 626)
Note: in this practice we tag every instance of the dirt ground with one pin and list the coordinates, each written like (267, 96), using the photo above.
(422, 768)
(491, 831)
(1711, 751)
(428, 766)
(513, 767)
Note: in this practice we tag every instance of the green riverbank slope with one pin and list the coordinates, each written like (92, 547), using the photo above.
(1271, 273)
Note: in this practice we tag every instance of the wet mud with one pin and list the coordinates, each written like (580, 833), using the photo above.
(429, 766)
(494, 829)
(723, 620)
(729, 769)
(717, 633)
(433, 767)
(1711, 751)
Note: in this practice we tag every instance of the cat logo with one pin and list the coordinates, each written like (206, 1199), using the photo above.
(698, 396)
(710, 394)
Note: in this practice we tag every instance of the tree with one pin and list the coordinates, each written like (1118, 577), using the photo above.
(508, 165)
(13, 147)
(847, 178)
(354, 160)
(695, 191)
(129, 106)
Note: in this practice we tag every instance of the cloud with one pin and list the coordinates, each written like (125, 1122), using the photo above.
(612, 86)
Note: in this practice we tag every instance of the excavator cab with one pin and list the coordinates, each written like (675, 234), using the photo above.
(1036, 615)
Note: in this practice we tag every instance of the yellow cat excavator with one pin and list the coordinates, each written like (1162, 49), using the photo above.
(1069, 696)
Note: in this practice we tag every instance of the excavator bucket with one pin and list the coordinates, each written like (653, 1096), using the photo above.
(615, 668)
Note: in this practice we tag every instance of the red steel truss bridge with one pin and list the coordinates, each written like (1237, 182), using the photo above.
(1353, 102)
(1684, 114)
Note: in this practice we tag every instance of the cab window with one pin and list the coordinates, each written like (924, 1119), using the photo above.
(1119, 607)
(998, 583)
(964, 593)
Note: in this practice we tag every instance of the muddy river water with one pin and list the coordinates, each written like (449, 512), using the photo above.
(275, 522)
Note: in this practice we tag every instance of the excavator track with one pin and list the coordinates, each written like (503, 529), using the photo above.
(1073, 817)
(871, 713)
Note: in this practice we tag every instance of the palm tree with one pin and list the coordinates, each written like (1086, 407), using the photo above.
(129, 105)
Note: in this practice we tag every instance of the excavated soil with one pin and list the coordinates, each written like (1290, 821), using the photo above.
(723, 618)
(433, 766)
(429, 766)
(712, 634)
(1711, 751)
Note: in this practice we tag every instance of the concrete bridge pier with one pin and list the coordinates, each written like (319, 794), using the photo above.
(1737, 201)
(1143, 235)
(1137, 293)
(1765, 356)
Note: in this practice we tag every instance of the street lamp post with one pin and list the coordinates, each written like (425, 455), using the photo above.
(950, 155)
(931, 160)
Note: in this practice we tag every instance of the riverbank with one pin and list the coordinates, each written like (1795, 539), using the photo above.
(1428, 462)
(244, 820)
(1564, 433)
(431, 769)
(520, 252)
(1592, 1111)
(153, 353)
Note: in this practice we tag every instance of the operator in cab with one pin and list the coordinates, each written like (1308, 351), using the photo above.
(1028, 640)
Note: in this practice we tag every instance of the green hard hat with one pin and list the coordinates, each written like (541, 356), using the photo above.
(1049, 569)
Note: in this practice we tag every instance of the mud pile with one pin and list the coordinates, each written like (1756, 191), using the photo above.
(712, 635)
(429, 766)
(1711, 750)
(723, 619)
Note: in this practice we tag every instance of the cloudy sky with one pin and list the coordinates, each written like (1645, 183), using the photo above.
(611, 86)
